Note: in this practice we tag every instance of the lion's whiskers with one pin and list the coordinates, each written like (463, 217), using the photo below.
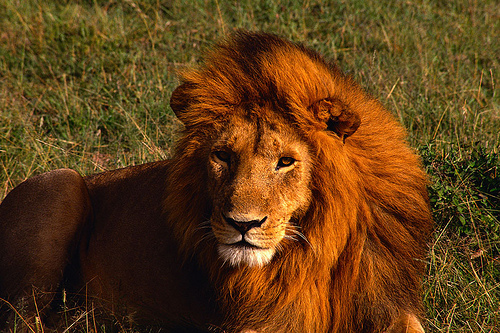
(203, 226)
(294, 229)
(202, 239)
(279, 247)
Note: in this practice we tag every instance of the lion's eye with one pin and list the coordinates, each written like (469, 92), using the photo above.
(285, 162)
(223, 156)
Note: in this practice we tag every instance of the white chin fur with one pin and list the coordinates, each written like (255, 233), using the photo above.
(236, 256)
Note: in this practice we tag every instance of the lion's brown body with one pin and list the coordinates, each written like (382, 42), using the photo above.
(330, 240)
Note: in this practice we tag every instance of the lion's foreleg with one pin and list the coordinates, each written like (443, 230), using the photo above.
(39, 224)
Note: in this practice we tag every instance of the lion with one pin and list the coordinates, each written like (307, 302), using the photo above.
(293, 203)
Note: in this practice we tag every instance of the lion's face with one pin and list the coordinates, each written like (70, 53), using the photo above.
(259, 173)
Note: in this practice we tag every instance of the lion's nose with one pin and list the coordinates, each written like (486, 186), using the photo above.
(244, 226)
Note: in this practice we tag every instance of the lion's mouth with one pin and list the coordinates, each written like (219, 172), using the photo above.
(243, 252)
(243, 244)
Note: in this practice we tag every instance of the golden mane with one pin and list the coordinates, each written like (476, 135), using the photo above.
(359, 268)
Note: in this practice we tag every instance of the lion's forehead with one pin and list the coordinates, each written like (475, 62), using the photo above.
(262, 137)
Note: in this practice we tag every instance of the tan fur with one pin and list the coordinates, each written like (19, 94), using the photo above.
(331, 202)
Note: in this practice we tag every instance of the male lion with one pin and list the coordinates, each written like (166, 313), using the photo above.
(292, 204)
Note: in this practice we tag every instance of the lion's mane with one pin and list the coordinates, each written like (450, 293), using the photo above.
(360, 264)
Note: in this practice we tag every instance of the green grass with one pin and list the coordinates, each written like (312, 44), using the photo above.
(86, 84)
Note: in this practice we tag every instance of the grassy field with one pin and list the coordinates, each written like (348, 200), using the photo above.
(86, 85)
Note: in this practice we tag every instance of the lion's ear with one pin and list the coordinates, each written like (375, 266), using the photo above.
(336, 116)
(180, 100)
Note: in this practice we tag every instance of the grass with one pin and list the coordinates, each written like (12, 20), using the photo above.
(86, 84)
